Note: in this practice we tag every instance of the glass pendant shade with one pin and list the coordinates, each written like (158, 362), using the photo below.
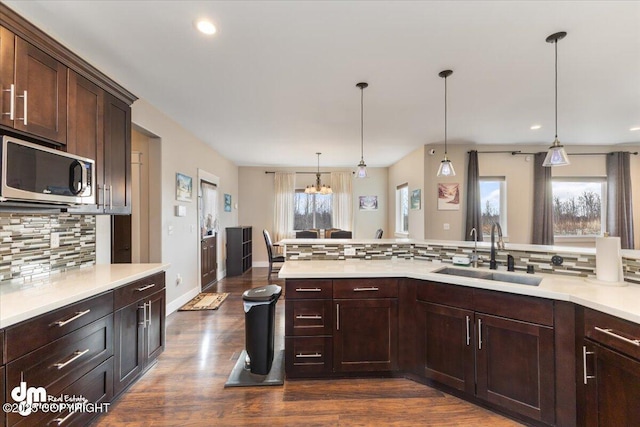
(446, 168)
(556, 156)
(362, 170)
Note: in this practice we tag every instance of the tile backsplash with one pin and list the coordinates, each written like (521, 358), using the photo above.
(25, 244)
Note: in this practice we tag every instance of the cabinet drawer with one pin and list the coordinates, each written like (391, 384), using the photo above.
(365, 288)
(308, 289)
(60, 363)
(308, 317)
(96, 386)
(517, 307)
(138, 290)
(36, 332)
(613, 332)
(445, 294)
(1, 347)
(308, 356)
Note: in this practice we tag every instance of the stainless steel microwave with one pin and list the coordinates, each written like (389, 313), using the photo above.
(37, 174)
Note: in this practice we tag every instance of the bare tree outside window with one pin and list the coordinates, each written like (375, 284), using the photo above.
(312, 211)
(578, 208)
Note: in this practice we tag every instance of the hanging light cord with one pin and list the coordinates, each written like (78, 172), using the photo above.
(556, 46)
(362, 124)
(445, 116)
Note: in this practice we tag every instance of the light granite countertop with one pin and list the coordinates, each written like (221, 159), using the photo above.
(620, 301)
(23, 301)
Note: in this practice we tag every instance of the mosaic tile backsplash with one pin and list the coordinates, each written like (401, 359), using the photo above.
(25, 244)
(578, 265)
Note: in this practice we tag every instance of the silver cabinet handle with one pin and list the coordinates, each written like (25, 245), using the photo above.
(620, 337)
(314, 355)
(584, 363)
(308, 290)
(104, 196)
(110, 196)
(479, 334)
(144, 288)
(24, 118)
(76, 355)
(79, 314)
(60, 421)
(337, 317)
(306, 317)
(468, 332)
(12, 102)
(372, 288)
(143, 323)
(149, 318)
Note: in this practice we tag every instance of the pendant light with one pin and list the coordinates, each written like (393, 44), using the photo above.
(319, 188)
(556, 156)
(362, 167)
(446, 167)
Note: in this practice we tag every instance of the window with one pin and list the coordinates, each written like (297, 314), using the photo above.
(493, 196)
(402, 208)
(311, 211)
(578, 206)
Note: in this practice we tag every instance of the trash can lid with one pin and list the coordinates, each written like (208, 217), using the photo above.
(262, 293)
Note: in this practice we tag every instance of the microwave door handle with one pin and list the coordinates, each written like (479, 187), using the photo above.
(72, 182)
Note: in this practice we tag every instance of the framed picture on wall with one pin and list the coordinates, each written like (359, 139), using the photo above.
(227, 202)
(448, 197)
(184, 187)
(416, 196)
(368, 203)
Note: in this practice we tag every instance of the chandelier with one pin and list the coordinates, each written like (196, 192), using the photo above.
(319, 188)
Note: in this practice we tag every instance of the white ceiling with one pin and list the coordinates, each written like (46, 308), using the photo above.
(277, 82)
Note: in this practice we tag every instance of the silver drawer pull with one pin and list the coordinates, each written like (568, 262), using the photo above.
(305, 317)
(365, 289)
(308, 290)
(620, 337)
(144, 288)
(314, 355)
(76, 355)
(584, 364)
(79, 314)
(60, 421)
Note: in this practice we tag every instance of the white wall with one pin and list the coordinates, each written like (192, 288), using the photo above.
(180, 238)
(256, 202)
(411, 170)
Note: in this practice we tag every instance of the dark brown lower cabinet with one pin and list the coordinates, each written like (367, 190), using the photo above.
(139, 330)
(366, 335)
(3, 417)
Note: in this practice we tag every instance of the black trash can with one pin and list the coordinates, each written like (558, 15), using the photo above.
(259, 319)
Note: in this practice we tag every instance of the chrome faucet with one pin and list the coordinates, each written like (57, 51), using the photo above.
(474, 259)
(493, 265)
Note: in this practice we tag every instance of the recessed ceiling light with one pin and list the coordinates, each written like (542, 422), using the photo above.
(535, 127)
(635, 128)
(206, 27)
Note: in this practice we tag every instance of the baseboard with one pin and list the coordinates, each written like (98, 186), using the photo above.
(182, 300)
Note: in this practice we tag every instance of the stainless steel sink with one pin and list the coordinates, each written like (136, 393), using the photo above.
(491, 275)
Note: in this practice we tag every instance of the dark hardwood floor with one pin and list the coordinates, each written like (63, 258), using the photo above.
(186, 386)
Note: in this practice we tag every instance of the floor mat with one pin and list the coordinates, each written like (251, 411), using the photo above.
(241, 377)
(205, 301)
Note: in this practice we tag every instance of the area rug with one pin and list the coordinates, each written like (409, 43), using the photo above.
(241, 377)
(205, 301)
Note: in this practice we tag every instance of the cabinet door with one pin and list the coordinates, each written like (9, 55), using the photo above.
(446, 345)
(613, 396)
(366, 335)
(515, 366)
(155, 334)
(2, 397)
(129, 325)
(117, 156)
(7, 62)
(44, 80)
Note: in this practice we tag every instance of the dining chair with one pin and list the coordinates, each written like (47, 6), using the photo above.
(306, 234)
(272, 259)
(341, 234)
(379, 233)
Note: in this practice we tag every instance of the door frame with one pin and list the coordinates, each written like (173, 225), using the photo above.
(203, 175)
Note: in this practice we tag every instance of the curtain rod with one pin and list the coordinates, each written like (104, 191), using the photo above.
(305, 173)
(518, 152)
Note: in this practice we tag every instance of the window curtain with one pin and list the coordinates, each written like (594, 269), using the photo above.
(542, 202)
(342, 200)
(285, 188)
(474, 204)
(619, 206)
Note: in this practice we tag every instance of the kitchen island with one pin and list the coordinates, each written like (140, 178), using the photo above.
(536, 353)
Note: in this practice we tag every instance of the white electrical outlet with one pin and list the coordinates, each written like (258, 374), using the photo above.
(350, 251)
(178, 280)
(446, 226)
(55, 240)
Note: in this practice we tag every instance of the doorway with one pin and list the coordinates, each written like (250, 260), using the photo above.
(208, 224)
